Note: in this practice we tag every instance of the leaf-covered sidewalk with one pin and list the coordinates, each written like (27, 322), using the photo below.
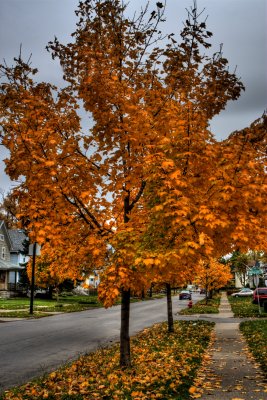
(232, 374)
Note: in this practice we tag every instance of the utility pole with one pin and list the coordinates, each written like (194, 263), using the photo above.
(33, 277)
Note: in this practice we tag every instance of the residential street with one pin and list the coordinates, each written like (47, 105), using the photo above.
(29, 348)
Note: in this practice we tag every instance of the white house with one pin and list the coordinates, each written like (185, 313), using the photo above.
(12, 260)
(93, 280)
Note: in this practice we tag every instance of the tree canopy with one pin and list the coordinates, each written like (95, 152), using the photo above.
(147, 179)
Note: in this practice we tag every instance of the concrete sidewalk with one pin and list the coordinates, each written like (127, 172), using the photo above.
(232, 373)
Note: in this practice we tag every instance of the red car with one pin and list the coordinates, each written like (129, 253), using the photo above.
(260, 295)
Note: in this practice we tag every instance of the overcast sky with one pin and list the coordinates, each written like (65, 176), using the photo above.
(239, 24)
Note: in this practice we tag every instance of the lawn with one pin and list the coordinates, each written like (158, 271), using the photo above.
(164, 366)
(19, 307)
(200, 307)
(255, 333)
(242, 307)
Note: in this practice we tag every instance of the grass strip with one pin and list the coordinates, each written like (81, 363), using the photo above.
(23, 314)
(164, 366)
(210, 306)
(255, 333)
(243, 307)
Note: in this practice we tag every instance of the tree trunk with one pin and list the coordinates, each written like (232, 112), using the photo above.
(206, 295)
(143, 295)
(210, 294)
(50, 292)
(151, 290)
(169, 308)
(125, 355)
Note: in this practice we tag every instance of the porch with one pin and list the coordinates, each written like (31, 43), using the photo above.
(9, 279)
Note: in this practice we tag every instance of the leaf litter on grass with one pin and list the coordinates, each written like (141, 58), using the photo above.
(164, 366)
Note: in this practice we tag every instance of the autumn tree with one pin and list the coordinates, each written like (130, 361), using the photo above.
(8, 209)
(210, 213)
(242, 169)
(148, 175)
(184, 217)
(203, 194)
(212, 275)
(165, 271)
(88, 182)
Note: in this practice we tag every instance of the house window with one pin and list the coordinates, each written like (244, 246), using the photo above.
(2, 277)
(2, 238)
(3, 253)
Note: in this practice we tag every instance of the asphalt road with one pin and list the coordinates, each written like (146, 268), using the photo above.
(31, 347)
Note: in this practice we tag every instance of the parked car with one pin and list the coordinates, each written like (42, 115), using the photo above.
(39, 293)
(243, 293)
(185, 295)
(259, 295)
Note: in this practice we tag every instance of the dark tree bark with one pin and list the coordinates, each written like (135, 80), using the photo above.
(50, 292)
(125, 355)
(169, 308)
(210, 294)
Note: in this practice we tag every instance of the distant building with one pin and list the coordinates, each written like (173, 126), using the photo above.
(93, 280)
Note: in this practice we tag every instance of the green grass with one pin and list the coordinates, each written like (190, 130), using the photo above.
(242, 307)
(14, 303)
(212, 307)
(255, 333)
(19, 307)
(164, 366)
(23, 314)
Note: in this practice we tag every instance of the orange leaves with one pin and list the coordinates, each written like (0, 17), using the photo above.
(211, 274)
(148, 261)
(163, 365)
(192, 389)
(146, 191)
(158, 207)
(202, 237)
(96, 252)
(49, 163)
(121, 275)
(167, 164)
(137, 395)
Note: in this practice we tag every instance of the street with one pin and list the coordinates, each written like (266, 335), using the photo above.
(32, 347)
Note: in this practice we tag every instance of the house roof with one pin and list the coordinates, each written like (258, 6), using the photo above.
(4, 230)
(4, 265)
(17, 237)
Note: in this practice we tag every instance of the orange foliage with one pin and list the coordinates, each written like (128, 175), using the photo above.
(211, 275)
(146, 192)
(147, 164)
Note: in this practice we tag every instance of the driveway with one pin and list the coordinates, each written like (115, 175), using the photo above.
(32, 347)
